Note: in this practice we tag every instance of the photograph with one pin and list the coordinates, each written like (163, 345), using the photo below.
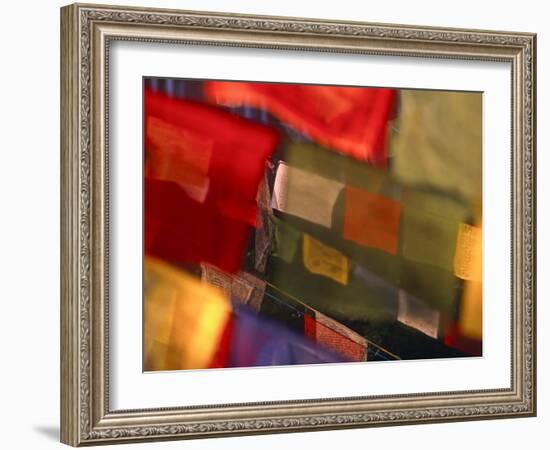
(291, 224)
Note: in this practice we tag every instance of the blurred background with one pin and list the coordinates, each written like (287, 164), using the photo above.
(299, 224)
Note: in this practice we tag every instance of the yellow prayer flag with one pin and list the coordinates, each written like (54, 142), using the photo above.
(467, 261)
(183, 318)
(468, 266)
(324, 260)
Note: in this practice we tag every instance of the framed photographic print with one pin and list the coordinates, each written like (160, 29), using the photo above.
(276, 224)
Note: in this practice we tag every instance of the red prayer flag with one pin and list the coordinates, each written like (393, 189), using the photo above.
(203, 168)
(179, 229)
(351, 120)
(333, 340)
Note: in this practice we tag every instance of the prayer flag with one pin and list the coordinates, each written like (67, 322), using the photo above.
(323, 260)
(371, 220)
(179, 229)
(468, 265)
(414, 313)
(184, 319)
(335, 336)
(203, 167)
(257, 341)
(439, 140)
(241, 287)
(305, 195)
(351, 120)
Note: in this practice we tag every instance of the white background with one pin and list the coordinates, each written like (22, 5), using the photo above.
(29, 235)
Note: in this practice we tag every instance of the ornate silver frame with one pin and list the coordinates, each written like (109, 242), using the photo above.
(86, 32)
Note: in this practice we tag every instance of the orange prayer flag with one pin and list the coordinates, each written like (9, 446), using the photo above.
(371, 220)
